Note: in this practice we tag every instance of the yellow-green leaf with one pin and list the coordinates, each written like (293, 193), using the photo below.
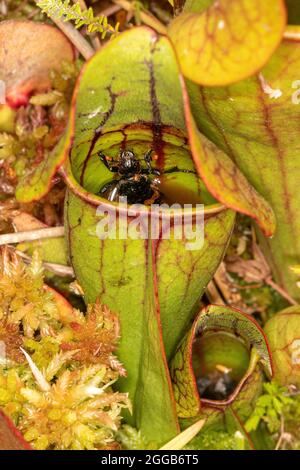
(226, 182)
(283, 333)
(36, 183)
(229, 41)
(256, 122)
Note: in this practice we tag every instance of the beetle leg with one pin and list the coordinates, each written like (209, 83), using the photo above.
(113, 168)
(149, 170)
(155, 198)
(148, 159)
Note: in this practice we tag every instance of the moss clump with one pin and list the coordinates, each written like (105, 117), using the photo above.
(24, 301)
(56, 364)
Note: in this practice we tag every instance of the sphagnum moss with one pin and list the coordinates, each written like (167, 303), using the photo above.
(23, 298)
(57, 373)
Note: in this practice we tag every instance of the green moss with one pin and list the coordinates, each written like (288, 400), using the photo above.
(56, 386)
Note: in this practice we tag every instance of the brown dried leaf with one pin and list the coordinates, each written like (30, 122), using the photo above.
(255, 270)
(23, 222)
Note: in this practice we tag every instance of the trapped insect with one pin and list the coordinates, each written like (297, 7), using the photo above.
(140, 185)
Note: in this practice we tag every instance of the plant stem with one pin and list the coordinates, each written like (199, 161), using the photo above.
(58, 269)
(213, 294)
(281, 436)
(281, 291)
(111, 10)
(31, 235)
(146, 17)
(75, 37)
(94, 38)
(293, 35)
